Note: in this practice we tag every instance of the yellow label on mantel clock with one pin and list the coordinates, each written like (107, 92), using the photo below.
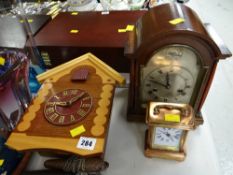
(177, 21)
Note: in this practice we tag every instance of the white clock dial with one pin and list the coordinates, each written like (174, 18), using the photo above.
(167, 138)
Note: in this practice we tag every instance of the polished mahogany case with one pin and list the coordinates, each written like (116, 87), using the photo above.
(154, 32)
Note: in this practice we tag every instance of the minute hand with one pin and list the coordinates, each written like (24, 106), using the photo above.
(167, 81)
(72, 100)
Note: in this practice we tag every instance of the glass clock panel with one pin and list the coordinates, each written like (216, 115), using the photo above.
(170, 75)
(167, 138)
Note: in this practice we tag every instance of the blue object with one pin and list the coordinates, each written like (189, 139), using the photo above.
(5, 67)
(34, 85)
(11, 158)
(35, 69)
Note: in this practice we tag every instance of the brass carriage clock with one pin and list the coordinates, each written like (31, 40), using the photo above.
(168, 126)
(173, 59)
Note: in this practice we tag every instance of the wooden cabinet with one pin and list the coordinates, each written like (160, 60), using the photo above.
(97, 33)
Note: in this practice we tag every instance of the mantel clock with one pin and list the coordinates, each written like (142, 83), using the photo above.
(173, 59)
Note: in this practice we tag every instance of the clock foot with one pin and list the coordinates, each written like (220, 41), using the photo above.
(198, 119)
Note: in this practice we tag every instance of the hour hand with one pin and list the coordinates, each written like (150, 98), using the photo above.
(59, 103)
(63, 103)
(159, 83)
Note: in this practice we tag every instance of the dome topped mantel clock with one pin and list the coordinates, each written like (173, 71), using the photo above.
(173, 59)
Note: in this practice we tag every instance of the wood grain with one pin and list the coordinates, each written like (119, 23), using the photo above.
(34, 132)
(97, 34)
(45, 143)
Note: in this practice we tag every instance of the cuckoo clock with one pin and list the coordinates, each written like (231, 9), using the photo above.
(173, 59)
(72, 109)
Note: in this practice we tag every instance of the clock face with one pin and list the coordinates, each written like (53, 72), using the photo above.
(167, 138)
(170, 75)
(167, 84)
(68, 107)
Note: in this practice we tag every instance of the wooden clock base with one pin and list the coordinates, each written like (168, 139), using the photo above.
(179, 156)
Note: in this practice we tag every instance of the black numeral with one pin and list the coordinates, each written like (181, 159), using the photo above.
(83, 141)
(86, 143)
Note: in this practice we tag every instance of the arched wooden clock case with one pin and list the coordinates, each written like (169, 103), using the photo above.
(171, 62)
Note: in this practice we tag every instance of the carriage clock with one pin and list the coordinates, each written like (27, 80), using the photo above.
(173, 59)
(168, 126)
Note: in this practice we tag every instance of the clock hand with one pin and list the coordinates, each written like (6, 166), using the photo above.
(156, 82)
(67, 103)
(59, 103)
(72, 100)
(167, 81)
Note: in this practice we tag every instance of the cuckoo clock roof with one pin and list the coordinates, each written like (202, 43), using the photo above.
(107, 73)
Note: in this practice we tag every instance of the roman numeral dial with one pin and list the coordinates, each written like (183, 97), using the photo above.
(68, 107)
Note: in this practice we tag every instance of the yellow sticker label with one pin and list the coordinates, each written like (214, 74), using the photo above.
(30, 20)
(172, 117)
(129, 28)
(77, 131)
(1, 162)
(74, 31)
(74, 13)
(2, 61)
(121, 30)
(176, 21)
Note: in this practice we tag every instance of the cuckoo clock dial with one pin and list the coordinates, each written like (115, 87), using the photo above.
(68, 106)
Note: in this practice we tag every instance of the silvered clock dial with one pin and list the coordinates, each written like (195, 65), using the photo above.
(170, 75)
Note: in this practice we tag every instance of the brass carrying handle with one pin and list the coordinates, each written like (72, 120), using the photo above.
(183, 111)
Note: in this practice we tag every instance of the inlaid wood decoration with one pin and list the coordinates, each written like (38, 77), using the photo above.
(75, 96)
